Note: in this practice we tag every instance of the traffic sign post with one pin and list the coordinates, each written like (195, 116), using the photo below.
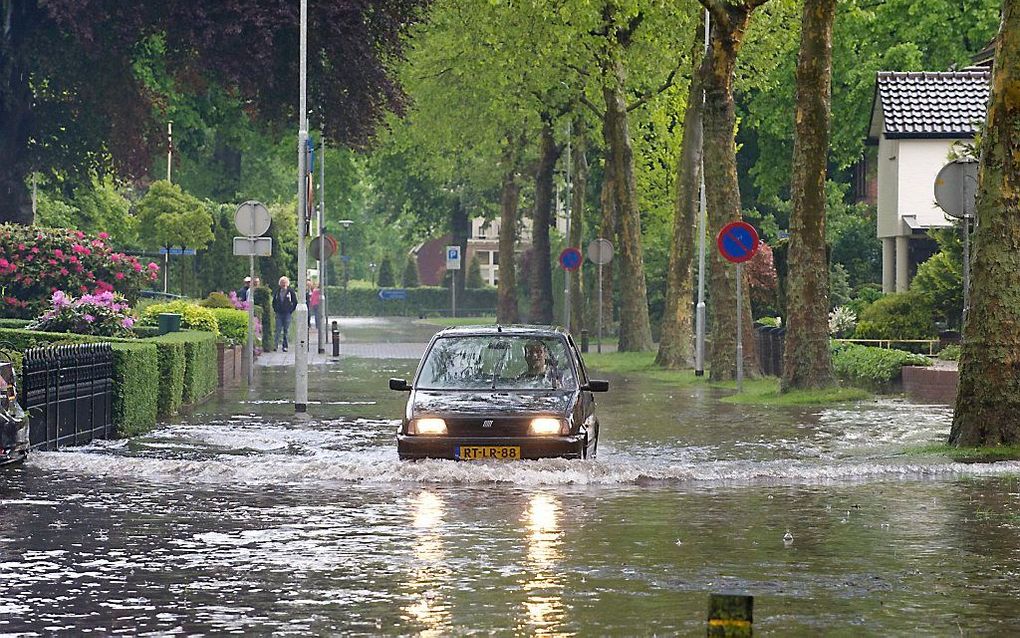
(956, 194)
(252, 220)
(600, 251)
(738, 242)
(453, 265)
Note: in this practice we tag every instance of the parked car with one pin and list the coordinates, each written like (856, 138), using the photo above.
(13, 420)
(500, 392)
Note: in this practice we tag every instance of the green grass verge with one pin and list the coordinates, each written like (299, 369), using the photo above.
(968, 454)
(448, 322)
(763, 391)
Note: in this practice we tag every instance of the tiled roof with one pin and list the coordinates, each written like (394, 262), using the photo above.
(935, 105)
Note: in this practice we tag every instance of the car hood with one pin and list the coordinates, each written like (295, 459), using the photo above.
(494, 403)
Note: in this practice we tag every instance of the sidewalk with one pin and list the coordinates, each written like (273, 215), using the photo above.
(389, 350)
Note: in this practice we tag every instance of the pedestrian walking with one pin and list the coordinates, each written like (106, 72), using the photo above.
(314, 304)
(284, 305)
(242, 294)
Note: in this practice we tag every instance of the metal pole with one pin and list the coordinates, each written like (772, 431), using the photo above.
(699, 315)
(321, 318)
(740, 331)
(249, 350)
(567, 273)
(453, 291)
(169, 147)
(598, 342)
(166, 269)
(301, 314)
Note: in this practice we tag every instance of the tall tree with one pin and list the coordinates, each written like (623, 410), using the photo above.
(76, 105)
(676, 347)
(510, 197)
(729, 25)
(807, 360)
(541, 311)
(988, 399)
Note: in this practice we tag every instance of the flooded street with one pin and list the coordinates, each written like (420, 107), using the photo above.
(242, 519)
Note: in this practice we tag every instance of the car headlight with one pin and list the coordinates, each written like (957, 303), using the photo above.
(544, 425)
(427, 426)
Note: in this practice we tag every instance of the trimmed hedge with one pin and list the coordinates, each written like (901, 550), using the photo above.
(14, 323)
(172, 364)
(264, 301)
(365, 302)
(873, 368)
(233, 324)
(200, 374)
(136, 387)
(193, 316)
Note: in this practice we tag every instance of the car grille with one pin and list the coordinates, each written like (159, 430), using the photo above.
(501, 426)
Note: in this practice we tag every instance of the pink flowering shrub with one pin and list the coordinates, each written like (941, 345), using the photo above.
(103, 314)
(36, 262)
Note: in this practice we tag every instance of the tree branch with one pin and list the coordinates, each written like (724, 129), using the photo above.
(717, 9)
(641, 101)
(594, 109)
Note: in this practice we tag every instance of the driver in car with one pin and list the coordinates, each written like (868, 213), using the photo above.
(541, 372)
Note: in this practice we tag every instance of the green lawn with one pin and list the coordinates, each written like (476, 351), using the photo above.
(762, 391)
(969, 454)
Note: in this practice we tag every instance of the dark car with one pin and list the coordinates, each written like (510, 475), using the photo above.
(13, 422)
(500, 392)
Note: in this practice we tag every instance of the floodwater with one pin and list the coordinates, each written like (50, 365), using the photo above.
(241, 519)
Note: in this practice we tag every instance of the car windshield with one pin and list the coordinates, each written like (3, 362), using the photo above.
(498, 362)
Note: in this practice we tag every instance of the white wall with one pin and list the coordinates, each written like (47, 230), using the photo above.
(919, 164)
(888, 185)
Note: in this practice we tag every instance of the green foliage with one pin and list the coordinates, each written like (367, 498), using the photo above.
(873, 368)
(232, 323)
(424, 300)
(864, 296)
(170, 353)
(386, 277)
(136, 387)
(102, 315)
(950, 353)
(21, 339)
(264, 305)
(474, 273)
(34, 261)
(940, 281)
(200, 363)
(409, 278)
(193, 316)
(216, 267)
(772, 322)
(906, 315)
(96, 207)
(839, 286)
(167, 216)
(216, 300)
(14, 323)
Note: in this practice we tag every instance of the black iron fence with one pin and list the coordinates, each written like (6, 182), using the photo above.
(68, 394)
(770, 349)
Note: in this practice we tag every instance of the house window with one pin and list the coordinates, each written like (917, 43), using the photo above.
(495, 258)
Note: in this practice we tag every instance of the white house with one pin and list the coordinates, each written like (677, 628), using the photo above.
(915, 120)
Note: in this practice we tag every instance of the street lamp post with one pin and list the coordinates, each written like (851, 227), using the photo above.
(301, 313)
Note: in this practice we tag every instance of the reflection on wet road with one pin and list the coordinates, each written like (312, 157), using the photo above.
(240, 519)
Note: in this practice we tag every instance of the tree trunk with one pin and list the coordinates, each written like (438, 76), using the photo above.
(578, 195)
(988, 399)
(15, 118)
(676, 343)
(541, 297)
(729, 24)
(807, 360)
(506, 310)
(635, 329)
(607, 231)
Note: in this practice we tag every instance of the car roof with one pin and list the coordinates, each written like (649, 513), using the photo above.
(512, 330)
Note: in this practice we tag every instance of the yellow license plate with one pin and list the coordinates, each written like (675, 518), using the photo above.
(483, 452)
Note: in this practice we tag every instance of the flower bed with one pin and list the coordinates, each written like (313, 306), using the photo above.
(103, 314)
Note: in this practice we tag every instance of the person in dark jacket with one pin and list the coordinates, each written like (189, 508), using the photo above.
(284, 305)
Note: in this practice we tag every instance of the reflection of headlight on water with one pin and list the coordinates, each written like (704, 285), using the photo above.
(544, 605)
(428, 510)
(430, 571)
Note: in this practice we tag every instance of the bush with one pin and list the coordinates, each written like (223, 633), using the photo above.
(409, 278)
(264, 301)
(172, 363)
(200, 362)
(872, 368)
(950, 353)
(136, 382)
(842, 322)
(35, 262)
(365, 302)
(217, 300)
(103, 314)
(14, 323)
(940, 280)
(193, 316)
(906, 315)
(233, 324)
(386, 277)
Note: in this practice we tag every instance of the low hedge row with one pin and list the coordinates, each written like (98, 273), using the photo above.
(233, 324)
(153, 377)
(873, 368)
(365, 302)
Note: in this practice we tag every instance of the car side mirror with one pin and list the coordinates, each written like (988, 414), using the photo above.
(596, 386)
(399, 384)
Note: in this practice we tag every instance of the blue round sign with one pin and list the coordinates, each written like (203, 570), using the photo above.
(737, 241)
(571, 259)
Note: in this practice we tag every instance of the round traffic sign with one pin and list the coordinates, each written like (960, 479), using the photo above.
(331, 247)
(737, 241)
(252, 219)
(956, 187)
(571, 259)
(600, 251)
